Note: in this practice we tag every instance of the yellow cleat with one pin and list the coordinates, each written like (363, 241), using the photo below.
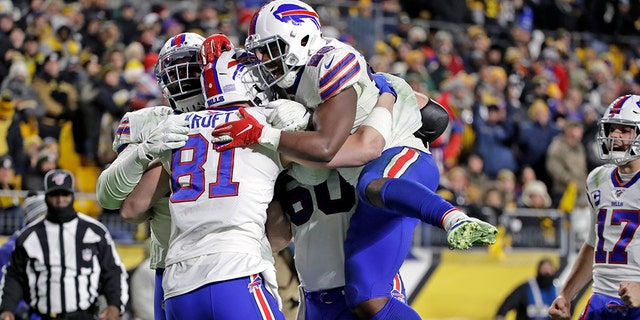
(471, 232)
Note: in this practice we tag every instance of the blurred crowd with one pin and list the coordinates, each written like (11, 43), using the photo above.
(524, 83)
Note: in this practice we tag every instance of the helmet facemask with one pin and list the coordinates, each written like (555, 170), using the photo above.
(178, 73)
(618, 151)
(624, 113)
(281, 68)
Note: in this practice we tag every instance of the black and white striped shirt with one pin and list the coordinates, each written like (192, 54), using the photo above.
(62, 268)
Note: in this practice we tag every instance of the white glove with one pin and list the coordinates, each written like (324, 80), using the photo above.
(135, 126)
(288, 115)
(171, 133)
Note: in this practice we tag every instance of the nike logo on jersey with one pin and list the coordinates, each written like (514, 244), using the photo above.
(328, 64)
(245, 129)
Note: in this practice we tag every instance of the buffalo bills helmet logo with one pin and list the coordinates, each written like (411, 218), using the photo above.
(295, 14)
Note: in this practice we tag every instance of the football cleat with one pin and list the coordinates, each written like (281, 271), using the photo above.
(471, 232)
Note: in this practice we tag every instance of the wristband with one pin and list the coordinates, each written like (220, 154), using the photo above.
(451, 218)
(270, 137)
(380, 119)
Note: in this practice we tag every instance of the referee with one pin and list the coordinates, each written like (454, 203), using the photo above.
(62, 263)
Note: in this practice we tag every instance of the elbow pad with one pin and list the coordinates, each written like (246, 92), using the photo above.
(435, 120)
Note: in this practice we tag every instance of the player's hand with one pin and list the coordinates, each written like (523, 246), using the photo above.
(383, 84)
(245, 132)
(288, 115)
(629, 292)
(135, 126)
(470, 232)
(110, 313)
(171, 133)
(7, 315)
(213, 46)
(560, 309)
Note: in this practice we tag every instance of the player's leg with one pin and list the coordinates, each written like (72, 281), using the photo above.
(376, 246)
(158, 297)
(331, 304)
(241, 298)
(603, 307)
(384, 182)
(195, 304)
(325, 305)
(378, 239)
(245, 298)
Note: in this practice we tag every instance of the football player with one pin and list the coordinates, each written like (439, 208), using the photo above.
(611, 254)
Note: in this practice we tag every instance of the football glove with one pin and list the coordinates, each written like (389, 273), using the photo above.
(470, 232)
(288, 115)
(171, 133)
(245, 132)
(213, 46)
(383, 84)
(135, 126)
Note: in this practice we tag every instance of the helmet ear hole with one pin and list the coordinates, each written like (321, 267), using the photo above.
(304, 41)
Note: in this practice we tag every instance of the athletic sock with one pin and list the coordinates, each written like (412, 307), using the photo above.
(414, 200)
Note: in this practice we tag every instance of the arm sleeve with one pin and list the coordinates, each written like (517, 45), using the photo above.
(113, 275)
(118, 180)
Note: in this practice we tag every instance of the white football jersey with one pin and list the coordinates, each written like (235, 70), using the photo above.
(319, 218)
(218, 206)
(338, 66)
(615, 219)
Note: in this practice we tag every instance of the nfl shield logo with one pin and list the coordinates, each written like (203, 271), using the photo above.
(87, 254)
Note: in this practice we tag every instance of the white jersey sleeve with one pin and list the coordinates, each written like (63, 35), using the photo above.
(613, 234)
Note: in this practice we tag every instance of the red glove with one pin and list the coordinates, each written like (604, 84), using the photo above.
(213, 46)
(243, 132)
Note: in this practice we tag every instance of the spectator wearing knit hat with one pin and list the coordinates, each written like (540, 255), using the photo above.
(535, 195)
